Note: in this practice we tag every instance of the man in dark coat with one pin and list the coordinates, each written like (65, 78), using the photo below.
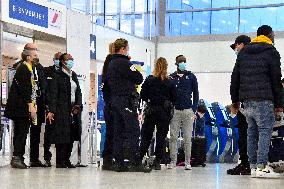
(49, 127)
(244, 167)
(256, 81)
(22, 103)
(65, 104)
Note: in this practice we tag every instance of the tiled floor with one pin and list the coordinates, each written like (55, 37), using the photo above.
(210, 177)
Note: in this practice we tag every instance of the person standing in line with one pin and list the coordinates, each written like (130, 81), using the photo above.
(256, 81)
(122, 77)
(107, 153)
(22, 103)
(187, 87)
(49, 127)
(65, 104)
(159, 92)
(244, 167)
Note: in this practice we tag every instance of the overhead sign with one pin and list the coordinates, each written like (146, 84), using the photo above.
(42, 17)
(28, 12)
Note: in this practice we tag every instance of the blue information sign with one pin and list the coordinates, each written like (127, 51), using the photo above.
(29, 12)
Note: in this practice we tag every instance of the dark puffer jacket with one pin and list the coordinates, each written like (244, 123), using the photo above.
(257, 75)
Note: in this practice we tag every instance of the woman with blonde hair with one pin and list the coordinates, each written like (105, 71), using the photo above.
(159, 93)
(107, 152)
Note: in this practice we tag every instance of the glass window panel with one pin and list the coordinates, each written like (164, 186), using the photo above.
(126, 5)
(111, 6)
(189, 23)
(187, 4)
(140, 5)
(139, 25)
(78, 5)
(63, 2)
(225, 21)
(97, 6)
(227, 3)
(126, 23)
(99, 20)
(259, 2)
(111, 21)
(151, 5)
(251, 19)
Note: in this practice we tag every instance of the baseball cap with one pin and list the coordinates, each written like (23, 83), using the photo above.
(241, 39)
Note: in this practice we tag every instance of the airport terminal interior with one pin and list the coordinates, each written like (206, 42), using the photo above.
(216, 127)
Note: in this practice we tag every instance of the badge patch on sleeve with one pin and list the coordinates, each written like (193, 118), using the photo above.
(132, 68)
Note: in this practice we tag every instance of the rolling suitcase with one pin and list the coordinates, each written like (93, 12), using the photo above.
(198, 150)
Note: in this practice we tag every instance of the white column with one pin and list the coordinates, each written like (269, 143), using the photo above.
(78, 45)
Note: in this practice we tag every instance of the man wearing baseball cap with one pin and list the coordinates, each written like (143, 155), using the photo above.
(244, 167)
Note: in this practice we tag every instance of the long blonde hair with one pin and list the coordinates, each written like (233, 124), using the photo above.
(161, 67)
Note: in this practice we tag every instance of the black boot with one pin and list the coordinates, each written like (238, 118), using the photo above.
(241, 169)
(107, 164)
(157, 165)
(18, 163)
(36, 163)
(69, 164)
(47, 163)
(140, 168)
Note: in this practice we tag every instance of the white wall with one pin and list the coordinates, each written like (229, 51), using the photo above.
(210, 56)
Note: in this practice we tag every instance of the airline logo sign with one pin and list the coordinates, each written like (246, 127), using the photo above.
(54, 18)
(35, 14)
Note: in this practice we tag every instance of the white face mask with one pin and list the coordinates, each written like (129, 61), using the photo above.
(201, 115)
(233, 115)
(236, 51)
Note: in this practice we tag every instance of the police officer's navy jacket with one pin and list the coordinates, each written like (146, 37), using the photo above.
(157, 91)
(186, 86)
(122, 76)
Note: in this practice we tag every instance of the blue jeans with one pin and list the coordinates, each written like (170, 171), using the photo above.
(260, 118)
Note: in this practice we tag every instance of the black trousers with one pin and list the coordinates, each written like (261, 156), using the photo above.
(243, 127)
(126, 131)
(107, 153)
(148, 127)
(34, 141)
(63, 153)
(47, 141)
(21, 130)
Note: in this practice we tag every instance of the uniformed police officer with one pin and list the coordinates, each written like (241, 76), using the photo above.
(160, 93)
(122, 78)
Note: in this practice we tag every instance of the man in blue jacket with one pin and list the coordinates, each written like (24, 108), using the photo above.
(187, 88)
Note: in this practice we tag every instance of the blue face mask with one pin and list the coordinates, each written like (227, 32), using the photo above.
(182, 66)
(56, 63)
(70, 64)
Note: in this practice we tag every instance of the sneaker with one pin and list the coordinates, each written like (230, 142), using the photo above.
(171, 165)
(187, 167)
(279, 168)
(267, 172)
(253, 173)
(240, 169)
